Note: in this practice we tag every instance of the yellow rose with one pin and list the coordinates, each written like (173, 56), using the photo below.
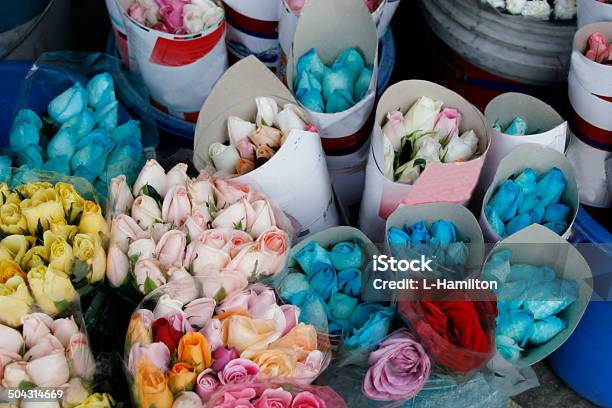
(88, 248)
(9, 197)
(139, 330)
(60, 227)
(52, 290)
(243, 332)
(72, 201)
(194, 350)
(27, 190)
(97, 400)
(15, 300)
(40, 209)
(60, 252)
(17, 246)
(36, 256)
(276, 362)
(5, 254)
(181, 377)
(302, 338)
(11, 219)
(151, 386)
(92, 220)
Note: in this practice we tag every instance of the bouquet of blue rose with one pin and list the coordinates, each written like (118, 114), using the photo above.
(542, 293)
(329, 280)
(446, 234)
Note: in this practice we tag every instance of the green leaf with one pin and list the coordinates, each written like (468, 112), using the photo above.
(61, 305)
(26, 385)
(220, 295)
(263, 122)
(79, 270)
(239, 226)
(149, 286)
(151, 192)
(253, 276)
(133, 259)
(85, 290)
(212, 207)
(420, 162)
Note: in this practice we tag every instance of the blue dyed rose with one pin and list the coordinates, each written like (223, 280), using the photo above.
(68, 104)
(323, 279)
(346, 254)
(311, 253)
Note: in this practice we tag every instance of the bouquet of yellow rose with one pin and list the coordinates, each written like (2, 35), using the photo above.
(51, 248)
(180, 341)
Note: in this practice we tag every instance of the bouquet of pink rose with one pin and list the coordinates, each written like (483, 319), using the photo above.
(198, 344)
(260, 394)
(169, 227)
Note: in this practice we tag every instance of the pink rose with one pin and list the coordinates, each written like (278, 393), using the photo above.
(170, 249)
(235, 394)
(211, 250)
(35, 326)
(49, 371)
(213, 333)
(206, 384)
(228, 192)
(398, 369)
(80, 358)
(239, 215)
(246, 149)
(171, 12)
(137, 12)
(394, 129)
(252, 263)
(447, 123)
(264, 218)
(307, 399)
(167, 306)
(199, 311)
(123, 230)
(177, 205)
(197, 223)
(47, 344)
(152, 174)
(311, 128)
(156, 353)
(201, 192)
(183, 287)
(217, 284)
(308, 370)
(117, 265)
(179, 323)
(221, 357)
(295, 5)
(292, 316)
(120, 194)
(239, 240)
(274, 398)
(64, 329)
(177, 176)
(238, 300)
(145, 211)
(148, 268)
(142, 249)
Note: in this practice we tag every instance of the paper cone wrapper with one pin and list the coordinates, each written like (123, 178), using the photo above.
(467, 227)
(439, 182)
(550, 126)
(178, 70)
(592, 167)
(387, 15)
(541, 159)
(252, 29)
(590, 11)
(296, 177)
(115, 12)
(348, 175)
(537, 245)
(318, 27)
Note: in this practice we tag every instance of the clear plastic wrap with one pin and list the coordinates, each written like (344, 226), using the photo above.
(70, 118)
(217, 343)
(169, 225)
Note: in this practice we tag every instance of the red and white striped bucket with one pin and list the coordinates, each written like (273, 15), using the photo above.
(252, 29)
(590, 96)
(119, 32)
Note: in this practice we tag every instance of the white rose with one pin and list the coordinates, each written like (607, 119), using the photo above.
(123, 230)
(238, 129)
(49, 371)
(145, 211)
(394, 129)
(177, 176)
(14, 374)
(461, 148)
(187, 399)
(539, 9)
(429, 150)
(422, 115)
(267, 109)
(148, 268)
(224, 157)
(120, 195)
(152, 174)
(142, 248)
(290, 118)
(10, 339)
(74, 392)
(515, 6)
(117, 266)
(185, 288)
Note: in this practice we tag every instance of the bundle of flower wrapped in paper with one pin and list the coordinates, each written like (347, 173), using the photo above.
(296, 5)
(169, 226)
(79, 135)
(51, 249)
(517, 127)
(427, 133)
(201, 345)
(530, 298)
(599, 49)
(251, 145)
(176, 16)
(538, 9)
(332, 89)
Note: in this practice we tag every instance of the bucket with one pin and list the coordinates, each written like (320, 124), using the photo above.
(29, 28)
(584, 362)
(181, 131)
(481, 53)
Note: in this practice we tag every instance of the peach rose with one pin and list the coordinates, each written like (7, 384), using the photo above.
(243, 333)
(193, 349)
(302, 338)
(276, 362)
(177, 205)
(181, 377)
(151, 386)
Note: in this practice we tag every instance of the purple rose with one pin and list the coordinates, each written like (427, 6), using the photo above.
(238, 370)
(398, 369)
(206, 384)
(221, 356)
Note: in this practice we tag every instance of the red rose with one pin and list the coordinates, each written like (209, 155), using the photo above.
(164, 332)
(457, 331)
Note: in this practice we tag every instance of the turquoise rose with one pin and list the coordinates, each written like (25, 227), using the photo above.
(527, 180)
(63, 144)
(373, 331)
(546, 329)
(363, 311)
(25, 130)
(516, 324)
(92, 152)
(551, 185)
(362, 85)
(349, 281)
(293, 283)
(346, 254)
(107, 115)
(338, 80)
(556, 212)
(339, 101)
(60, 164)
(508, 348)
(419, 233)
(100, 90)
(351, 60)
(518, 223)
(444, 233)
(311, 253)
(311, 63)
(312, 309)
(341, 306)
(323, 279)
(558, 227)
(312, 100)
(495, 221)
(518, 127)
(31, 156)
(128, 131)
(68, 104)
(506, 199)
(5, 169)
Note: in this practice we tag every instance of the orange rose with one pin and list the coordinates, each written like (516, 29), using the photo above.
(139, 328)
(194, 349)
(151, 386)
(302, 338)
(243, 332)
(181, 377)
(278, 362)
